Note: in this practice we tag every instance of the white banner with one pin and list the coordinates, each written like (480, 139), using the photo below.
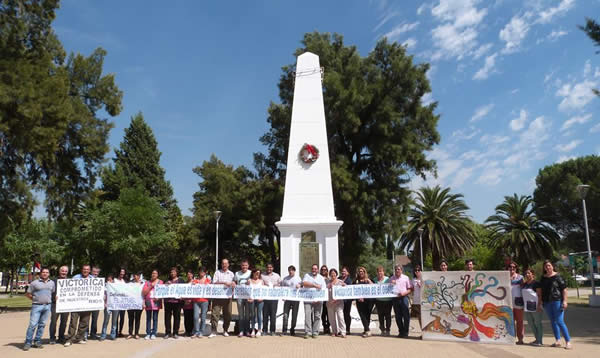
(352, 292)
(241, 292)
(191, 291)
(467, 306)
(280, 293)
(80, 294)
(124, 296)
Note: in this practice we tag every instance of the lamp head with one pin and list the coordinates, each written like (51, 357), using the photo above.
(420, 231)
(218, 214)
(583, 190)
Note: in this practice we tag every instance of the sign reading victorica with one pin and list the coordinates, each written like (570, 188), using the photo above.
(363, 291)
(80, 294)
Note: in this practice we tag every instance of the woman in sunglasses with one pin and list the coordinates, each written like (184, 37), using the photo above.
(516, 282)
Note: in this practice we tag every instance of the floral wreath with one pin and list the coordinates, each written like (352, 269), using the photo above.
(309, 153)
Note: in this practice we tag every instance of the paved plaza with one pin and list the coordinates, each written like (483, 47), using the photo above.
(583, 323)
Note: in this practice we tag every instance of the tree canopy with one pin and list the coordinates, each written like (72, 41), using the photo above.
(557, 201)
(519, 233)
(51, 137)
(378, 131)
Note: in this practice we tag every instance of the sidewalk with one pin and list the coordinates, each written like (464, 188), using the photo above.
(582, 322)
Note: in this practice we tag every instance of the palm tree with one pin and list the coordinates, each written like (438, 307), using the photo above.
(447, 229)
(517, 231)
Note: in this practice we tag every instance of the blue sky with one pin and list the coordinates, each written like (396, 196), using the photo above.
(513, 78)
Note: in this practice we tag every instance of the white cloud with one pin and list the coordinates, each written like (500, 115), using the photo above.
(456, 36)
(491, 175)
(519, 123)
(536, 133)
(481, 112)
(494, 139)
(576, 120)
(514, 32)
(462, 134)
(587, 68)
(576, 96)
(487, 68)
(427, 99)
(422, 8)
(384, 19)
(569, 146)
(482, 50)
(547, 15)
(513, 159)
(564, 158)
(397, 31)
(515, 91)
(556, 34)
(595, 129)
(461, 175)
(409, 43)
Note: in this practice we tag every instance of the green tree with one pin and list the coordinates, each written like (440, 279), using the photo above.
(137, 164)
(51, 138)
(592, 30)
(378, 131)
(557, 201)
(238, 195)
(128, 232)
(519, 233)
(447, 230)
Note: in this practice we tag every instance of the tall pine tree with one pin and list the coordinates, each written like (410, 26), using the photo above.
(137, 164)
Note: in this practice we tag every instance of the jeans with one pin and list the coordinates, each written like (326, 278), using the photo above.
(172, 309)
(270, 315)
(244, 307)
(37, 322)
(256, 315)
(134, 317)
(402, 314)
(107, 317)
(335, 310)
(287, 306)
(120, 322)
(200, 309)
(534, 320)
(312, 317)
(384, 313)
(151, 322)
(557, 321)
(347, 316)
(93, 331)
(64, 317)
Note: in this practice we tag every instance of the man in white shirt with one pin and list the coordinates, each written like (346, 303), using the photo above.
(270, 279)
(240, 278)
(222, 277)
(312, 310)
(293, 281)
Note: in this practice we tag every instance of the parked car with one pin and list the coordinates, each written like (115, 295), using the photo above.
(580, 278)
(596, 276)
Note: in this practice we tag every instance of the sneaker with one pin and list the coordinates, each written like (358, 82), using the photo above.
(343, 335)
(26, 347)
(258, 334)
(315, 335)
(82, 342)
(166, 336)
(67, 344)
(148, 337)
(212, 335)
(38, 345)
(153, 337)
(225, 334)
(241, 335)
(175, 336)
(306, 336)
(252, 335)
(52, 342)
(366, 334)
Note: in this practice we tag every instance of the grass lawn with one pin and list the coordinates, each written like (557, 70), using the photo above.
(17, 301)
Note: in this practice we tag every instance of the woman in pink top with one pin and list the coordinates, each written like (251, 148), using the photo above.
(151, 305)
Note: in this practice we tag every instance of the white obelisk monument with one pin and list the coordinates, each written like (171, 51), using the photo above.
(308, 226)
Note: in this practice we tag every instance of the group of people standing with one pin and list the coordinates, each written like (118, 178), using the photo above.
(258, 317)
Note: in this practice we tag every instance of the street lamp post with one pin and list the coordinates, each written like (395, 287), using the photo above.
(583, 190)
(420, 231)
(217, 217)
